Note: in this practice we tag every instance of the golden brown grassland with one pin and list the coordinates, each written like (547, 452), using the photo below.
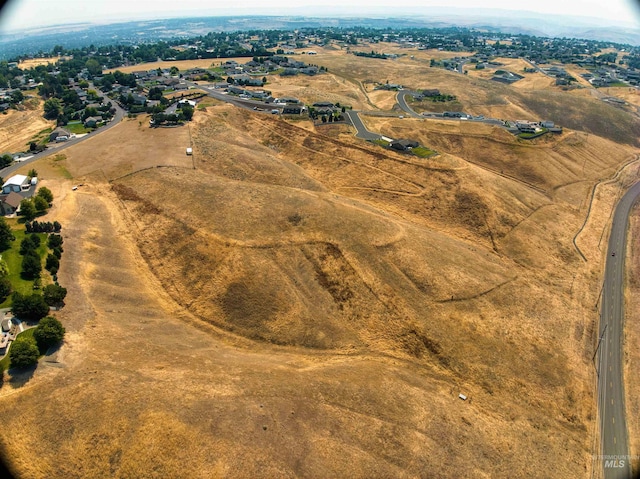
(293, 302)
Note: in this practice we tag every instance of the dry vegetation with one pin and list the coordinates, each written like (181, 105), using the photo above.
(34, 62)
(293, 302)
(18, 128)
(632, 339)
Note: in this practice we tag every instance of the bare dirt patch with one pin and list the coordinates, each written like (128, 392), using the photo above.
(129, 147)
(34, 62)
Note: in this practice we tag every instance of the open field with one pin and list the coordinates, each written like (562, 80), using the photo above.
(18, 128)
(294, 302)
(34, 62)
(628, 94)
(179, 64)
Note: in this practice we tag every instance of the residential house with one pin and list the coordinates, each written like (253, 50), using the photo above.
(92, 121)
(295, 109)
(10, 203)
(403, 145)
(138, 99)
(59, 134)
(527, 126)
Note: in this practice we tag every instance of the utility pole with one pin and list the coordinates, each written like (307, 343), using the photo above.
(598, 347)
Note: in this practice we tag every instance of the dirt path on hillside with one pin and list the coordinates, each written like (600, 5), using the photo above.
(140, 385)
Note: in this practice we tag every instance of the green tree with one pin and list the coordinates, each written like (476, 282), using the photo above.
(187, 112)
(6, 235)
(155, 93)
(40, 204)
(32, 173)
(52, 109)
(52, 262)
(29, 244)
(54, 241)
(5, 288)
(54, 294)
(31, 265)
(174, 70)
(5, 160)
(93, 66)
(28, 209)
(49, 332)
(16, 96)
(31, 307)
(23, 353)
(45, 193)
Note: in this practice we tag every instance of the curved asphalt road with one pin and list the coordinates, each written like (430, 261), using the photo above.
(400, 98)
(119, 115)
(613, 426)
(362, 131)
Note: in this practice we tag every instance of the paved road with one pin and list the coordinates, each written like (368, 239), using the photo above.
(461, 66)
(237, 101)
(400, 98)
(613, 426)
(57, 147)
(362, 131)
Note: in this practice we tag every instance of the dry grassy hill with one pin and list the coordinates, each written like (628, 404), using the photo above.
(290, 303)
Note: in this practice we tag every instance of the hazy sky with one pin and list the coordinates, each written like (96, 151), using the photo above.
(20, 14)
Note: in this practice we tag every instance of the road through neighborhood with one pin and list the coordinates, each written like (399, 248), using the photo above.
(119, 115)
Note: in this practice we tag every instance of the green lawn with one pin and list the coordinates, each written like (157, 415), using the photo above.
(423, 152)
(76, 128)
(27, 333)
(530, 136)
(381, 142)
(13, 259)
